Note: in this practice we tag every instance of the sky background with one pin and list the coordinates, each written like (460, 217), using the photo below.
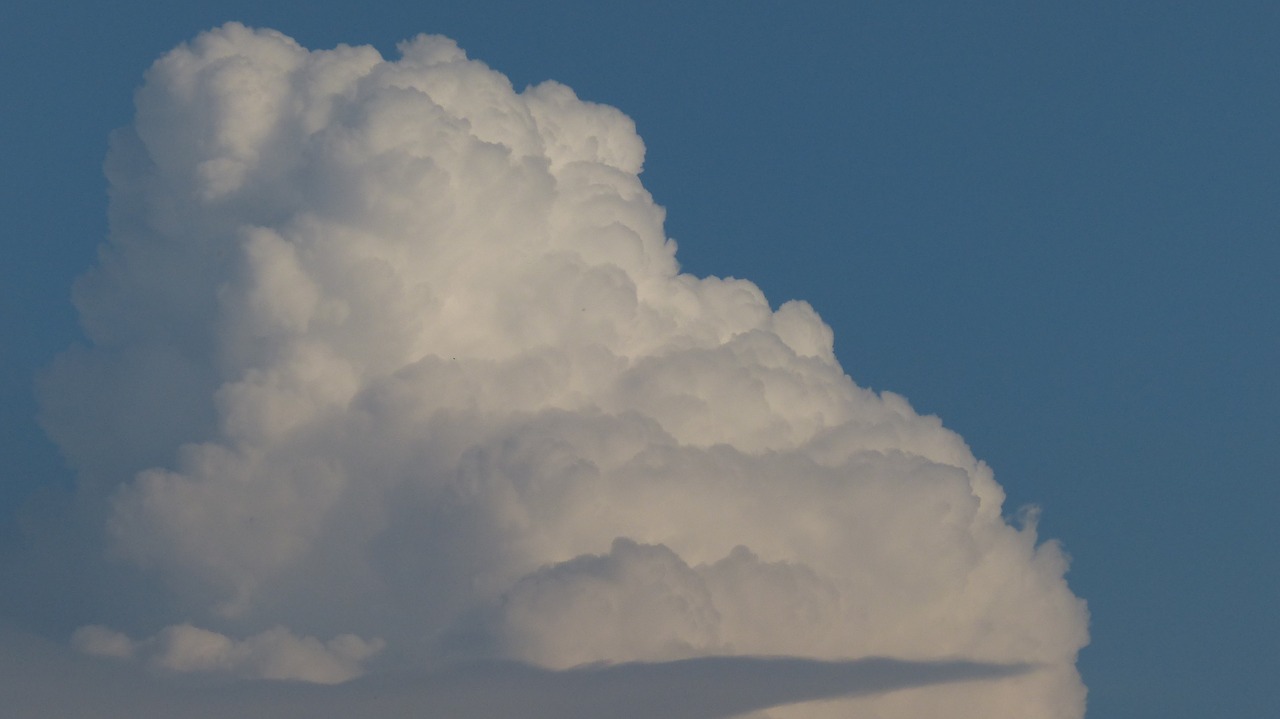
(1054, 227)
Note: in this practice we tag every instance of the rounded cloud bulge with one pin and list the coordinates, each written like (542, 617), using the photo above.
(389, 352)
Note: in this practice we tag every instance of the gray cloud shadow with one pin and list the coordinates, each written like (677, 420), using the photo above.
(702, 688)
(44, 681)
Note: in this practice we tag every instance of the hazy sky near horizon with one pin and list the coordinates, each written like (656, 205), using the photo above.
(1055, 229)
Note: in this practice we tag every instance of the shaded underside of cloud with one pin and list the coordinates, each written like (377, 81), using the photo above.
(389, 364)
(36, 675)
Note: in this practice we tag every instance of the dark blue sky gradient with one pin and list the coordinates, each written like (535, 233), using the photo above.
(1057, 226)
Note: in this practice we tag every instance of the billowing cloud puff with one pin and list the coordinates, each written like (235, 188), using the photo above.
(388, 349)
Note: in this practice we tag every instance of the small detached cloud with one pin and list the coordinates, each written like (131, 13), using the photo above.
(274, 654)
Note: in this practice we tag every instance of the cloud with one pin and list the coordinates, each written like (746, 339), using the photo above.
(697, 688)
(274, 654)
(387, 349)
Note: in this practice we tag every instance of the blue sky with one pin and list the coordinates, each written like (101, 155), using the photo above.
(1055, 228)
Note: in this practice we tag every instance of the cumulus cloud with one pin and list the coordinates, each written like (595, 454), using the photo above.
(385, 348)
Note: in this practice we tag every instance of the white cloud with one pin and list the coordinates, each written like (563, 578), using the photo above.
(387, 348)
(273, 654)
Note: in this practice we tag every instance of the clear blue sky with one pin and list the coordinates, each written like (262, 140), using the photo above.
(1058, 228)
